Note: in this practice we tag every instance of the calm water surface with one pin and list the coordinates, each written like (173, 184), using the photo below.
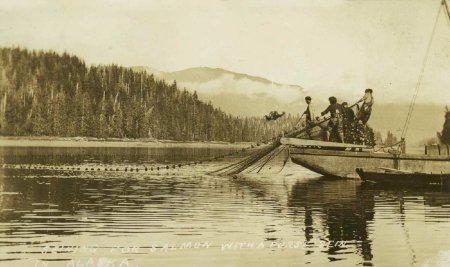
(185, 217)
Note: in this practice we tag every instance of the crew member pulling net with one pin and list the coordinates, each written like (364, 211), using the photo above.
(259, 158)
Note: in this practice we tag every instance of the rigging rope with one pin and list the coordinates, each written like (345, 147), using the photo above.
(280, 149)
(447, 11)
(265, 154)
(419, 82)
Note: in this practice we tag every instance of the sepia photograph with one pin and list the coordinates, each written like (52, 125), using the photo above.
(224, 133)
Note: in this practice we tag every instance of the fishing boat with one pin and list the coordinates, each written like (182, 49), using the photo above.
(387, 176)
(343, 160)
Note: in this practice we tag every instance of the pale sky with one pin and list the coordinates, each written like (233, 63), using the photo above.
(340, 45)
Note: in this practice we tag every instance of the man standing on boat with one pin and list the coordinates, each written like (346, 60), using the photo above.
(335, 122)
(310, 116)
(366, 108)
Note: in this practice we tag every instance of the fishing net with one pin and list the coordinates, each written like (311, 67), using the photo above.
(354, 133)
(264, 154)
(258, 159)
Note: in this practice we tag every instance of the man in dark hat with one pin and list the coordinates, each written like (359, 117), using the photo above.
(335, 122)
(366, 108)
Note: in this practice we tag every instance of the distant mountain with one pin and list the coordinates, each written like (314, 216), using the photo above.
(50, 94)
(235, 93)
(149, 70)
(246, 95)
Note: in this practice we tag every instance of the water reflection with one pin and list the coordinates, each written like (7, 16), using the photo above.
(345, 209)
(380, 224)
(363, 224)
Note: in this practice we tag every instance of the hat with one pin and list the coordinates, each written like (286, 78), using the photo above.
(308, 98)
(368, 90)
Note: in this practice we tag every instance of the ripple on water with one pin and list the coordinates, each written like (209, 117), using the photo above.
(104, 210)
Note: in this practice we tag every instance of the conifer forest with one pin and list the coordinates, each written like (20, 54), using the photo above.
(43, 93)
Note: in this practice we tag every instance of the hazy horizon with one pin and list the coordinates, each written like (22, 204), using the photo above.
(326, 47)
(323, 46)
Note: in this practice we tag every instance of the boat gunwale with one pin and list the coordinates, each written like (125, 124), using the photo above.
(294, 151)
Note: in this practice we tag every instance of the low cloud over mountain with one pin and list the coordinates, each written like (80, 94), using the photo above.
(246, 95)
(236, 93)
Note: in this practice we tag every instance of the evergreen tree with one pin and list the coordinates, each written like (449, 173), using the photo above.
(391, 139)
(45, 93)
(444, 136)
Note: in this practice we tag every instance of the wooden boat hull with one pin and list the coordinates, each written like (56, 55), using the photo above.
(337, 163)
(389, 177)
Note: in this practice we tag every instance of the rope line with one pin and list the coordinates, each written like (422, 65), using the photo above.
(419, 82)
(265, 155)
(447, 11)
(280, 149)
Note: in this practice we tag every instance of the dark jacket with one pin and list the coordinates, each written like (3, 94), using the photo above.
(349, 114)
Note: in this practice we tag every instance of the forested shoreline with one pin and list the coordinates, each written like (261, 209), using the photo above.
(43, 93)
